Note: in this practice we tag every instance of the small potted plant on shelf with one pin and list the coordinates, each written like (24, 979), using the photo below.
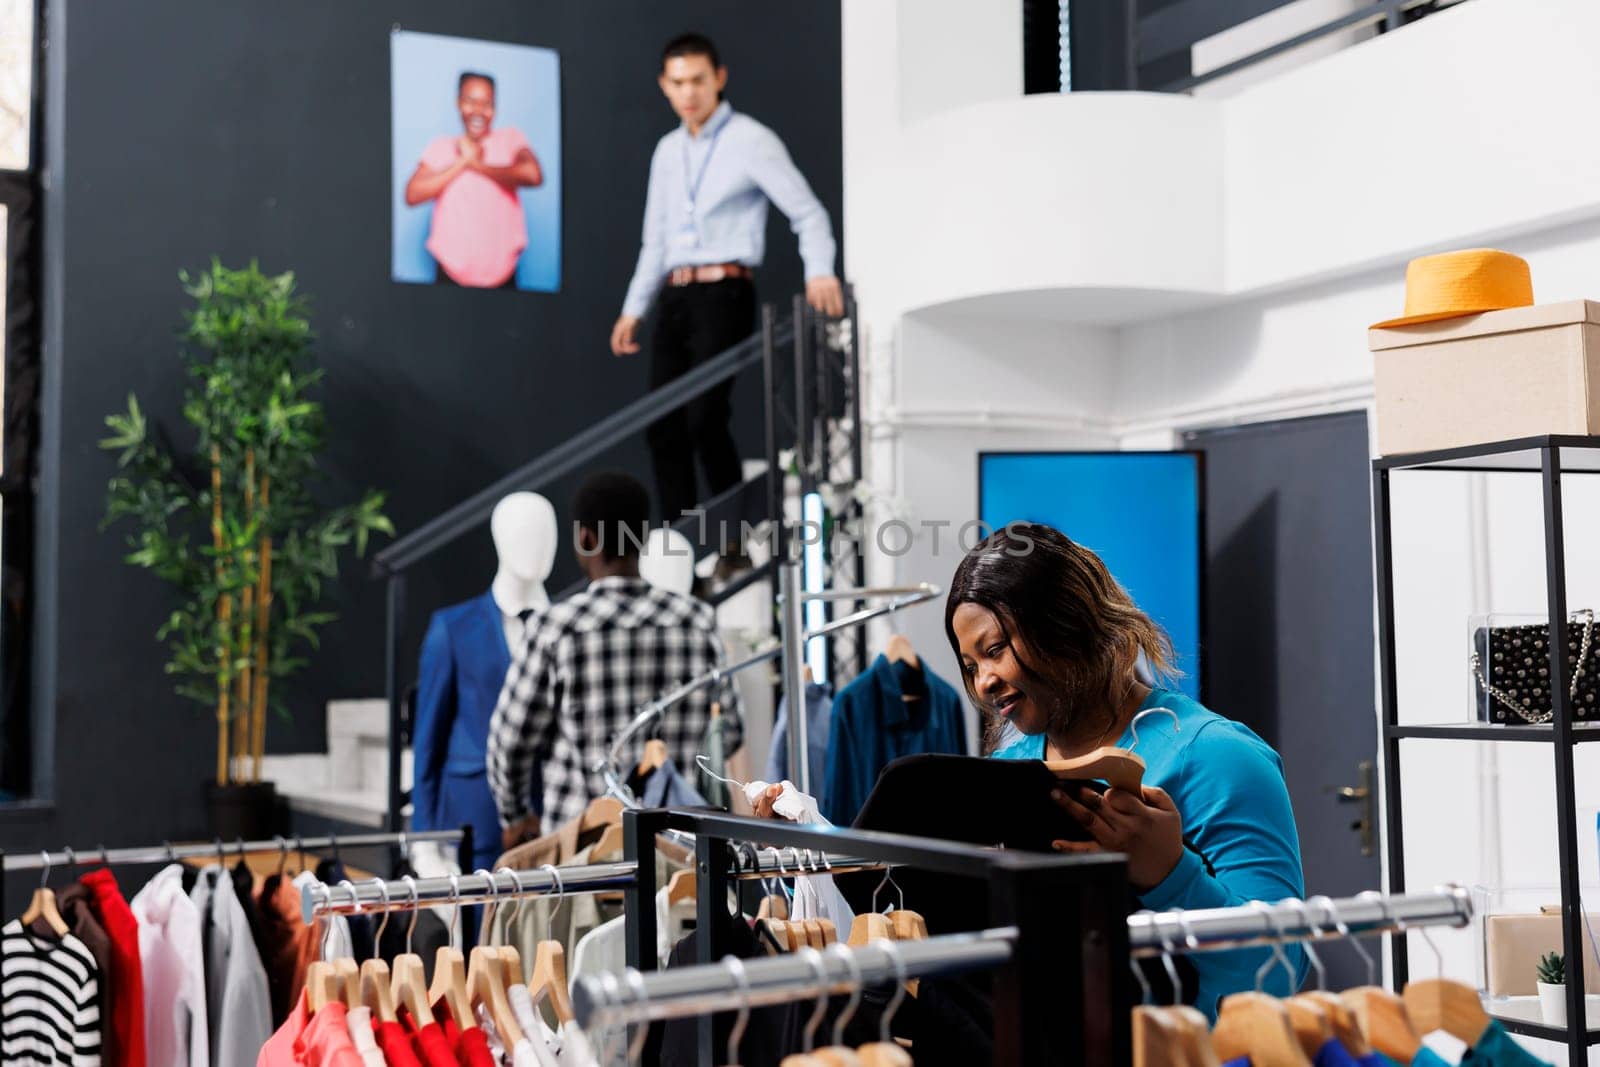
(233, 525)
(1552, 978)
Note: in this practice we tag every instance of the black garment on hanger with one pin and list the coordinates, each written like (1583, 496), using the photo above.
(772, 1033)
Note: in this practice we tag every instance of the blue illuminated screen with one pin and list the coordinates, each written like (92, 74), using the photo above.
(1139, 511)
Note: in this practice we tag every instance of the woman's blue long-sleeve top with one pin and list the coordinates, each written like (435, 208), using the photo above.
(1228, 786)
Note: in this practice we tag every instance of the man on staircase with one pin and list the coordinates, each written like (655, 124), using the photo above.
(705, 222)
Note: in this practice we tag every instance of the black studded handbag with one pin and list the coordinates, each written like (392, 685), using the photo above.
(1511, 665)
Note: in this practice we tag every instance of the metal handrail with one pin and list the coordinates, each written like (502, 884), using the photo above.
(571, 454)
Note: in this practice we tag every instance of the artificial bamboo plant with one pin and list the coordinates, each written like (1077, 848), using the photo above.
(236, 528)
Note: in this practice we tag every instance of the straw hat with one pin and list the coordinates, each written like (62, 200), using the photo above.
(1468, 282)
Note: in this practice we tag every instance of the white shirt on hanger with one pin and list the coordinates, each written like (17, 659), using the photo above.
(605, 948)
(173, 966)
(359, 1021)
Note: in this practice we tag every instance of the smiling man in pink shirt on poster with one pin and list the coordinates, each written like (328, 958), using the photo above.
(478, 230)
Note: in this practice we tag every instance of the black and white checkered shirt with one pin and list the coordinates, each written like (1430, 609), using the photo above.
(586, 667)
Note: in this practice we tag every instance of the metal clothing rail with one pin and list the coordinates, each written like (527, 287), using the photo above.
(902, 597)
(170, 853)
(380, 895)
(1062, 990)
(377, 895)
(167, 853)
(693, 991)
(1317, 918)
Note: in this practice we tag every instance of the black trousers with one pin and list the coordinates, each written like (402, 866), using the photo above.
(693, 324)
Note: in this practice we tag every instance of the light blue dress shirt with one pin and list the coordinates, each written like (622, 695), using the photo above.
(707, 203)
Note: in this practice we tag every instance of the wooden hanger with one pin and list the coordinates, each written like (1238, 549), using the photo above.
(655, 754)
(1384, 1021)
(1310, 1023)
(486, 985)
(601, 812)
(348, 971)
(1120, 768)
(908, 925)
(870, 926)
(773, 906)
(1448, 1005)
(1194, 1034)
(1255, 1026)
(408, 979)
(1343, 1021)
(43, 904)
(377, 990)
(549, 979)
(806, 671)
(511, 959)
(450, 987)
(1157, 1041)
(408, 986)
(610, 843)
(682, 886)
(322, 986)
(899, 650)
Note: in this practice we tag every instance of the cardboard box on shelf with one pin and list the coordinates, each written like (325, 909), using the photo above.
(1514, 944)
(1497, 376)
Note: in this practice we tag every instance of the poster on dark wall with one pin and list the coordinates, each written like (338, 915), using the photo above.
(476, 137)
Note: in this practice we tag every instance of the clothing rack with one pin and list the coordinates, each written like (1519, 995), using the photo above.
(692, 991)
(901, 597)
(1318, 918)
(169, 853)
(1056, 932)
(381, 895)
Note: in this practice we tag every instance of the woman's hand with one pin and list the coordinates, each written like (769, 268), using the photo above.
(1147, 828)
(765, 800)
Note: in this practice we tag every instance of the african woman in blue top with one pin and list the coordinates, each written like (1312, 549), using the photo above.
(1049, 642)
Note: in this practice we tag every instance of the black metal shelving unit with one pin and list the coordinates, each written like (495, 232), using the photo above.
(1549, 457)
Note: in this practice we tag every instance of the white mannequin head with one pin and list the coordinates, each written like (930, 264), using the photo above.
(667, 561)
(523, 526)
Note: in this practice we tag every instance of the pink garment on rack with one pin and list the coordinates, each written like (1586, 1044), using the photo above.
(325, 1042)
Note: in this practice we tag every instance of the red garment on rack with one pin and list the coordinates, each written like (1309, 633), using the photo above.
(395, 1044)
(472, 1049)
(434, 1047)
(127, 1009)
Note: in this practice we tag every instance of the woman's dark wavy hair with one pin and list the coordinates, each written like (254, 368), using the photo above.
(1072, 626)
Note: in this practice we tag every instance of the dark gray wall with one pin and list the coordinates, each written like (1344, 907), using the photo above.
(192, 129)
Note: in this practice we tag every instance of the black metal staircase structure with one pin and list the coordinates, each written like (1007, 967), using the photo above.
(816, 405)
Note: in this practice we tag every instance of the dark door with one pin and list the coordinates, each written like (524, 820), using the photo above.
(1289, 630)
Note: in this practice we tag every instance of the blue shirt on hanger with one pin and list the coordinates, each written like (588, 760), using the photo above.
(892, 710)
(819, 718)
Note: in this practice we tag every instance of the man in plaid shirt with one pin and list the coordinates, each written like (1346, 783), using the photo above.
(590, 662)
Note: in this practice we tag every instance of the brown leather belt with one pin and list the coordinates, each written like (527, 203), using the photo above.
(713, 272)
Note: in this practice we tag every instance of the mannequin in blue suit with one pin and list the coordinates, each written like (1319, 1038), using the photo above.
(465, 657)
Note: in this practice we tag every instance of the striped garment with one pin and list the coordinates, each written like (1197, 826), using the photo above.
(49, 991)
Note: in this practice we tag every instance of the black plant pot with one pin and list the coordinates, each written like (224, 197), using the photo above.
(242, 811)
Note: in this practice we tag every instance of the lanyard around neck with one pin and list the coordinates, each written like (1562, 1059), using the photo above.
(692, 181)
